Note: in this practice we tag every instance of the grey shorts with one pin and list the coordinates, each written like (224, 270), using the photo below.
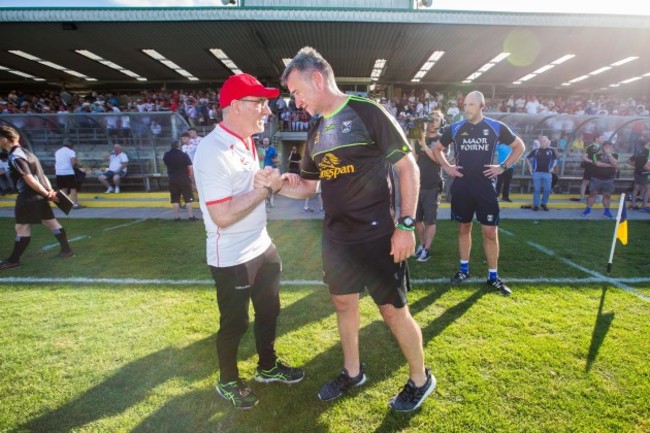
(428, 206)
(601, 186)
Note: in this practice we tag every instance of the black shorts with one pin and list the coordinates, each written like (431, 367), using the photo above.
(66, 181)
(32, 210)
(178, 189)
(589, 169)
(469, 198)
(351, 268)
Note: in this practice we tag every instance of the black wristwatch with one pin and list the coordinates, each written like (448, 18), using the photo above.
(407, 221)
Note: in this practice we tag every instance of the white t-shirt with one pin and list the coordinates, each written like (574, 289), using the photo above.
(115, 162)
(63, 161)
(224, 168)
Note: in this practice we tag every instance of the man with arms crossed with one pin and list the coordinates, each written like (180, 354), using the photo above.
(244, 263)
(475, 140)
(350, 151)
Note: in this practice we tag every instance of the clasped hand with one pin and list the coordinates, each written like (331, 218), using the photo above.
(268, 177)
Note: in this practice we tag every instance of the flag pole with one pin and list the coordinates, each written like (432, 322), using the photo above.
(621, 203)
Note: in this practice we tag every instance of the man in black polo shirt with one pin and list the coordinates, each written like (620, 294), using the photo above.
(350, 151)
(179, 170)
(475, 140)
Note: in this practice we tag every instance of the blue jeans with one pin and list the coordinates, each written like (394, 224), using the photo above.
(541, 181)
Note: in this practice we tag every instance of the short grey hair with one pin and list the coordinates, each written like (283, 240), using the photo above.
(308, 59)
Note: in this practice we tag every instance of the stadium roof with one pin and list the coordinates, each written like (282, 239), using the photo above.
(256, 39)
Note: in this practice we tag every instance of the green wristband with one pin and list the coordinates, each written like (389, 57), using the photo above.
(403, 227)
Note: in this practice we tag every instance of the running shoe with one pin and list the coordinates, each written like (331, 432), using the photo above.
(586, 212)
(279, 373)
(237, 393)
(424, 256)
(500, 285)
(418, 251)
(341, 384)
(459, 277)
(5, 264)
(411, 396)
(607, 214)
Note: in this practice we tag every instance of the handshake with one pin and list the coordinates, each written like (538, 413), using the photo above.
(271, 179)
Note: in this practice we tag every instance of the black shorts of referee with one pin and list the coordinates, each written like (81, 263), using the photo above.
(32, 209)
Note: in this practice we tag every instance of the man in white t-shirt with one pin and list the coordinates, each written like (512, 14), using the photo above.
(244, 263)
(65, 161)
(116, 170)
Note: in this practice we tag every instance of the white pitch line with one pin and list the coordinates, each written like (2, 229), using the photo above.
(124, 225)
(505, 232)
(144, 281)
(601, 277)
(76, 238)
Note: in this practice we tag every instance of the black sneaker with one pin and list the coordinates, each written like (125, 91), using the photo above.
(506, 199)
(500, 285)
(411, 397)
(5, 264)
(545, 208)
(279, 373)
(459, 277)
(535, 208)
(66, 254)
(237, 393)
(341, 384)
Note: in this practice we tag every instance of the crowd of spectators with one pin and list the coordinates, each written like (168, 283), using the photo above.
(201, 109)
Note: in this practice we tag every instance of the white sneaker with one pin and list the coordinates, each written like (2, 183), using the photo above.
(418, 251)
(109, 190)
(424, 256)
(117, 190)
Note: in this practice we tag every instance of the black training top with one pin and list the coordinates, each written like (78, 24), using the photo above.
(351, 151)
(177, 162)
(22, 162)
(475, 146)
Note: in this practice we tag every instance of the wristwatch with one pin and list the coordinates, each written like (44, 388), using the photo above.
(407, 221)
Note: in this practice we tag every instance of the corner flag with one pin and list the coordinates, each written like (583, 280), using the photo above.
(620, 231)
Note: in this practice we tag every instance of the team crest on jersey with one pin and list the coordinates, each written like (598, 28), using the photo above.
(486, 132)
(347, 126)
(330, 167)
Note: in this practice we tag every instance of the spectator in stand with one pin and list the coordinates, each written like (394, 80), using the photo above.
(118, 161)
(453, 112)
(179, 170)
(505, 178)
(603, 173)
(541, 163)
(195, 139)
(65, 162)
(34, 192)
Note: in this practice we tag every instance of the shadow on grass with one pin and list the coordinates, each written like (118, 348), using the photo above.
(601, 328)
(396, 421)
(202, 410)
(135, 381)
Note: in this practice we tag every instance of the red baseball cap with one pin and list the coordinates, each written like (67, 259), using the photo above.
(242, 85)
